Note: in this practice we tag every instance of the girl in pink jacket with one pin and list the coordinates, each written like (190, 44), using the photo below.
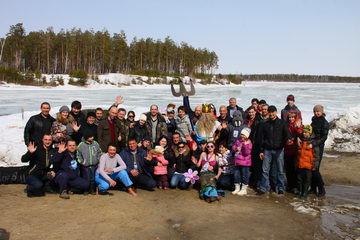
(242, 160)
(160, 170)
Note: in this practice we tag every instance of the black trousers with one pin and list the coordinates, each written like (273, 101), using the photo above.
(143, 181)
(290, 170)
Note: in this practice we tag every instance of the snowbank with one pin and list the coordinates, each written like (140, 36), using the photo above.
(344, 134)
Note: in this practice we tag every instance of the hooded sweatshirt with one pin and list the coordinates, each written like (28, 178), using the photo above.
(88, 154)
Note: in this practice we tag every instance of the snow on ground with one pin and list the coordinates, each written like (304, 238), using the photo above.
(344, 135)
(338, 99)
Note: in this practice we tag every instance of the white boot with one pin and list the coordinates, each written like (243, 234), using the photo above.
(237, 189)
(243, 191)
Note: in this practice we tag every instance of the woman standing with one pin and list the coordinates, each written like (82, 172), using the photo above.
(320, 129)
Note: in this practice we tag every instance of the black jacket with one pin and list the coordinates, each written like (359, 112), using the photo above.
(39, 160)
(183, 161)
(238, 109)
(90, 128)
(320, 129)
(139, 132)
(36, 127)
(81, 120)
(145, 165)
(274, 134)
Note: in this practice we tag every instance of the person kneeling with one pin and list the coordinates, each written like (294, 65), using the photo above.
(107, 172)
(68, 176)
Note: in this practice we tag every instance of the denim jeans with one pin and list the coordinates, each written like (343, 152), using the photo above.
(178, 180)
(104, 185)
(241, 174)
(276, 158)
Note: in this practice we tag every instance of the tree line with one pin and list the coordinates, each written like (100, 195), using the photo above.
(100, 52)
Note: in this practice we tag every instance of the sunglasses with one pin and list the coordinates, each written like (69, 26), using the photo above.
(131, 116)
(210, 146)
(181, 146)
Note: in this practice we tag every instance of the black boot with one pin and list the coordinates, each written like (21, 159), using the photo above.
(305, 191)
(322, 191)
(300, 192)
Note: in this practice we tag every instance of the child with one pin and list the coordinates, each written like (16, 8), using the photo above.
(88, 155)
(160, 171)
(305, 161)
(242, 151)
(226, 163)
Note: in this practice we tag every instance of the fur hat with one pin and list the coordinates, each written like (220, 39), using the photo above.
(307, 129)
(318, 108)
(64, 109)
(143, 117)
(246, 132)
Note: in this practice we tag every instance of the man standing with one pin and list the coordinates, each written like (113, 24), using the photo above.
(39, 166)
(107, 130)
(273, 135)
(99, 113)
(38, 125)
(89, 125)
(155, 124)
(123, 127)
(290, 107)
(234, 107)
(79, 117)
(139, 165)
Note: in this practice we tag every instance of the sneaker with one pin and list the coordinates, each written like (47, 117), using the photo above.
(64, 195)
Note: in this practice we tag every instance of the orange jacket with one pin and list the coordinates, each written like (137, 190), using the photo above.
(306, 157)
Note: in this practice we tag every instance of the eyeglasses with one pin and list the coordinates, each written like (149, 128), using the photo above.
(210, 146)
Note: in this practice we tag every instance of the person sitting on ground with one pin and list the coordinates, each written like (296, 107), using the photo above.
(39, 173)
(209, 173)
(68, 176)
(182, 163)
(88, 156)
(226, 163)
(64, 128)
(112, 168)
(146, 144)
(168, 155)
(307, 159)
(38, 125)
(242, 159)
(183, 125)
(139, 165)
(160, 170)
(290, 107)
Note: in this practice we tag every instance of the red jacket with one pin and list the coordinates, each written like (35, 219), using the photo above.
(294, 132)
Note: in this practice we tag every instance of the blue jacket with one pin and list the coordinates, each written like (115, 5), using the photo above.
(147, 166)
(66, 162)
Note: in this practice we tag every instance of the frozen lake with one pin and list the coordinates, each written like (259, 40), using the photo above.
(336, 97)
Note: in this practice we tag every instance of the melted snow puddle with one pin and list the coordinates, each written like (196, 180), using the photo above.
(339, 212)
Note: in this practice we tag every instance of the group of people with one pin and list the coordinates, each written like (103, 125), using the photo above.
(235, 150)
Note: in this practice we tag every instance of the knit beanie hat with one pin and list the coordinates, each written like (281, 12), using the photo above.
(90, 114)
(143, 117)
(318, 108)
(307, 129)
(246, 132)
(64, 109)
(290, 98)
(87, 134)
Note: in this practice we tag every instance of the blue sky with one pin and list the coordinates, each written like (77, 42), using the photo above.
(288, 36)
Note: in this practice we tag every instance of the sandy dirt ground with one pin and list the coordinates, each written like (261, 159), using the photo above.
(170, 214)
